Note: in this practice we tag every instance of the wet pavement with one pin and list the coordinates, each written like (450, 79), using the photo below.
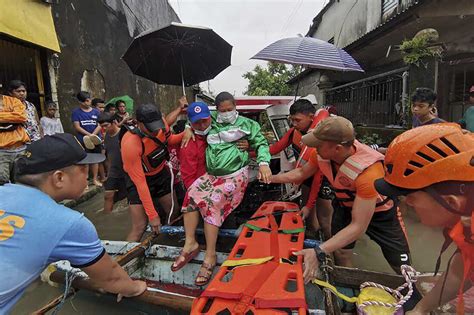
(424, 243)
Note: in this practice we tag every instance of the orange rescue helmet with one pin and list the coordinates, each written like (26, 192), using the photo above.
(427, 155)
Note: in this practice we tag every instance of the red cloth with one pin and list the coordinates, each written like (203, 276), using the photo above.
(192, 160)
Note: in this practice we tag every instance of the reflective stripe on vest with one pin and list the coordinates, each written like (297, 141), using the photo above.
(344, 182)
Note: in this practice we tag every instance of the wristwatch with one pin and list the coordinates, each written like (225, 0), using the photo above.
(320, 254)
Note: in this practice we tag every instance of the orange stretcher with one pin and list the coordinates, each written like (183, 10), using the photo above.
(261, 275)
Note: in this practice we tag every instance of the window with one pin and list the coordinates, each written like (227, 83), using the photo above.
(388, 7)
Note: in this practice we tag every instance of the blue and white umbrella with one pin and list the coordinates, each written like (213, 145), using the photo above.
(309, 52)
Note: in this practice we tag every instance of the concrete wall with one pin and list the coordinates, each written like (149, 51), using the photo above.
(93, 36)
(348, 20)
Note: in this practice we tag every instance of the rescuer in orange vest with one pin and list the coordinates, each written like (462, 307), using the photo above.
(433, 166)
(304, 116)
(351, 169)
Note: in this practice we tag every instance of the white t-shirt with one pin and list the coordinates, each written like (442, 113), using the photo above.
(51, 125)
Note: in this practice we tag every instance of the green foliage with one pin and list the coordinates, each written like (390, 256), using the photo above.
(270, 80)
(415, 50)
(373, 138)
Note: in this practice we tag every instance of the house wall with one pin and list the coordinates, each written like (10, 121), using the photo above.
(348, 20)
(93, 36)
(378, 51)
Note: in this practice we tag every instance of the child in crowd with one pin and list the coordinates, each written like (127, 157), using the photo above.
(218, 192)
(99, 104)
(85, 123)
(423, 107)
(50, 123)
(122, 112)
(110, 108)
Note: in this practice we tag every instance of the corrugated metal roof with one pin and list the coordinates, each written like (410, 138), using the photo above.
(410, 5)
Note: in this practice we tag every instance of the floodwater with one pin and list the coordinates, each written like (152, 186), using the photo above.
(424, 242)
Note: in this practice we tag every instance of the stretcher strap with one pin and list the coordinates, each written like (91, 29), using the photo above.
(262, 229)
(334, 290)
(276, 213)
(246, 262)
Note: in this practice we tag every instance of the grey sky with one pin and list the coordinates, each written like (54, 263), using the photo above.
(248, 26)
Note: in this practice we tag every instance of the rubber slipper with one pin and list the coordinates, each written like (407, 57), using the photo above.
(95, 139)
(88, 143)
(187, 258)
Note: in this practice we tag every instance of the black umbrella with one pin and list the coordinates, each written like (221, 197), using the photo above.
(178, 54)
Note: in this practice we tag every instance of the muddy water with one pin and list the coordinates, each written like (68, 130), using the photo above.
(424, 242)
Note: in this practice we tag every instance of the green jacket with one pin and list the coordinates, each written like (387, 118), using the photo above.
(222, 155)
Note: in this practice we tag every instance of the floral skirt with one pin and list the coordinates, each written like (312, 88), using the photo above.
(215, 197)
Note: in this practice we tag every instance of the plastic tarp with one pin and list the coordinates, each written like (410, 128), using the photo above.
(30, 21)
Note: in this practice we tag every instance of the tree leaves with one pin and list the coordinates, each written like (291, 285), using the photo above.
(270, 80)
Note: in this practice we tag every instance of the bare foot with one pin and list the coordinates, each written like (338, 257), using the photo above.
(97, 183)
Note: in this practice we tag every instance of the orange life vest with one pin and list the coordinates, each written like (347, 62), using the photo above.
(344, 181)
(457, 234)
(305, 151)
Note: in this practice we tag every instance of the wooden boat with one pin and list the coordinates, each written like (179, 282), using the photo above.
(176, 290)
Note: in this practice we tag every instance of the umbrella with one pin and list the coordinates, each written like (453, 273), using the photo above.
(309, 52)
(178, 54)
(126, 99)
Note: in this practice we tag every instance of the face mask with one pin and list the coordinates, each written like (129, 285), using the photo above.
(227, 117)
(203, 132)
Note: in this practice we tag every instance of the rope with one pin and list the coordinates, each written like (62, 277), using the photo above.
(408, 272)
(410, 275)
(69, 278)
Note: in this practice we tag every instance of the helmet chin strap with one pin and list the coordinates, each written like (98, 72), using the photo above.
(468, 211)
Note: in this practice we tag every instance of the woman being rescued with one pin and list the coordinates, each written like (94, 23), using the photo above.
(221, 189)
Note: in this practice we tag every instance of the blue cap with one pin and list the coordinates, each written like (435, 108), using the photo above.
(198, 110)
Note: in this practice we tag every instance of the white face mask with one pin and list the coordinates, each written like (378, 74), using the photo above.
(227, 117)
(203, 132)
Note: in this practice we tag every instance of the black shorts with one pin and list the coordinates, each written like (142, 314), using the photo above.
(118, 185)
(158, 184)
(97, 149)
(385, 229)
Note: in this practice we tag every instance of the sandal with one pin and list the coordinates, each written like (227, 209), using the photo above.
(206, 273)
(95, 140)
(187, 258)
(88, 143)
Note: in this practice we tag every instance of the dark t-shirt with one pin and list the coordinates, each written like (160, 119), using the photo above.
(417, 122)
(112, 149)
(87, 120)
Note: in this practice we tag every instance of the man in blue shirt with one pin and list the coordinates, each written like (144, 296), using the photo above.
(35, 230)
(85, 123)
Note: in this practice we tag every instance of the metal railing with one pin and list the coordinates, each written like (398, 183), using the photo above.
(373, 101)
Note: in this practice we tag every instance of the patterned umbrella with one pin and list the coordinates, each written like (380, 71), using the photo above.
(309, 52)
